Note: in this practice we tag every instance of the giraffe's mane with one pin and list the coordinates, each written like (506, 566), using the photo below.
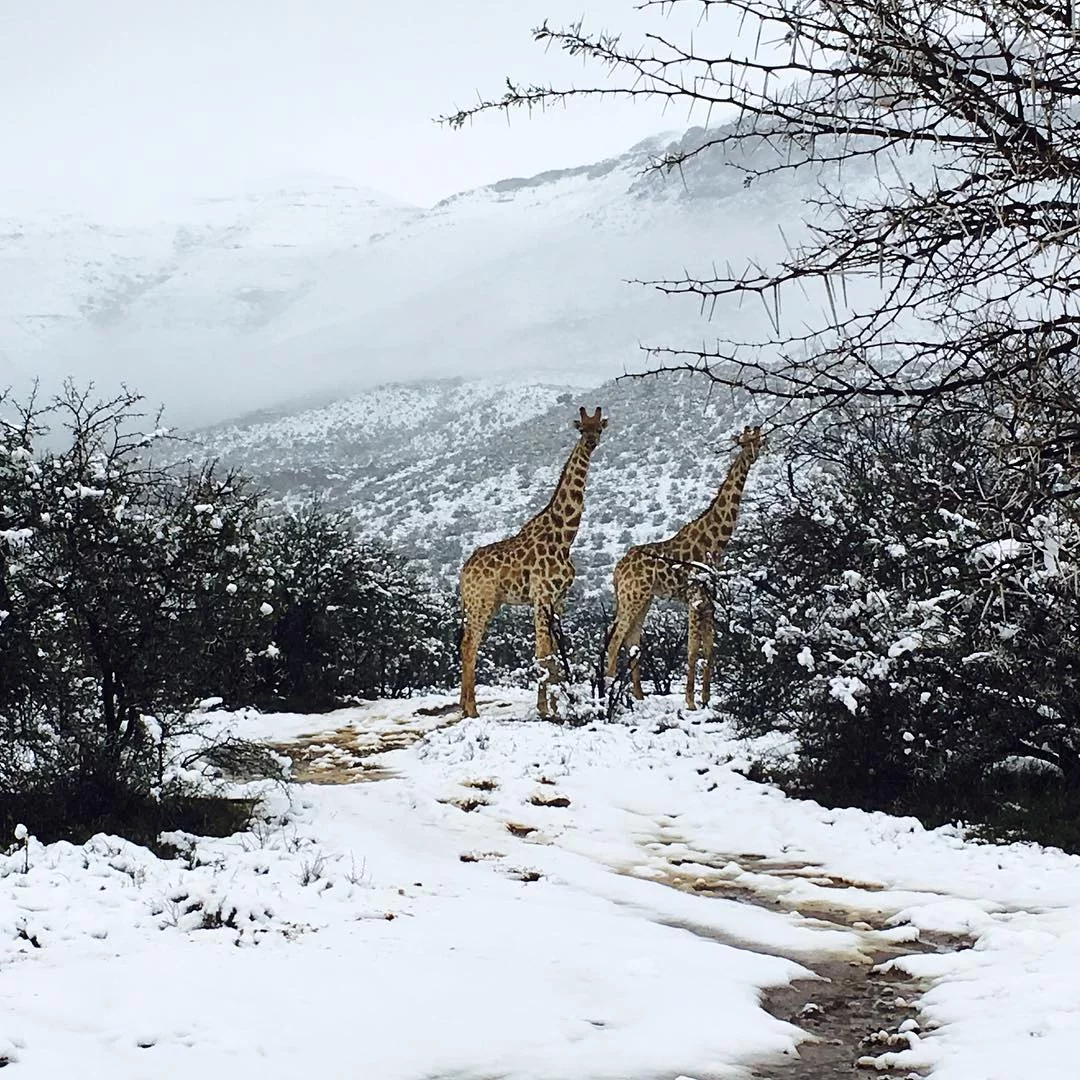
(558, 486)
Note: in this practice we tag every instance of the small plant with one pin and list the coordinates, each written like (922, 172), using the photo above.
(22, 836)
(358, 876)
(312, 870)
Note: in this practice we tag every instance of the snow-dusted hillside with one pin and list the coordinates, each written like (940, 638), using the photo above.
(311, 285)
(171, 306)
(438, 468)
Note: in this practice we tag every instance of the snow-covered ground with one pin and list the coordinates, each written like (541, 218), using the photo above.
(499, 904)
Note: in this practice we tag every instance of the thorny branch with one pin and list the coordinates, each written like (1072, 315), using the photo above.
(957, 268)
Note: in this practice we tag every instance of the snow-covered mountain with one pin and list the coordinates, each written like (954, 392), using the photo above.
(437, 468)
(311, 285)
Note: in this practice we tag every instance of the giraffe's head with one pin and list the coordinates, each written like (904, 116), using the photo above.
(591, 428)
(750, 443)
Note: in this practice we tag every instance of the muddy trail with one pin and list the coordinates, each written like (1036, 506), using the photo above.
(345, 755)
(854, 1016)
(856, 1011)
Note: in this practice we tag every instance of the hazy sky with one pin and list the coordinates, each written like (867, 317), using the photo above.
(120, 105)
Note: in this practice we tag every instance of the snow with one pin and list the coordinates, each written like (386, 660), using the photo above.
(383, 929)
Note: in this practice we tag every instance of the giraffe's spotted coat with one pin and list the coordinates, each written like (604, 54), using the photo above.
(671, 569)
(533, 567)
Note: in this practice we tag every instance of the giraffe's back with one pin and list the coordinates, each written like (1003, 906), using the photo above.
(517, 570)
(656, 570)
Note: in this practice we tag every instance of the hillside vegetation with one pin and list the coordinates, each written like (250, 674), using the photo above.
(438, 468)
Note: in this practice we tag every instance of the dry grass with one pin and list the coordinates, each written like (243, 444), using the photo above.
(541, 799)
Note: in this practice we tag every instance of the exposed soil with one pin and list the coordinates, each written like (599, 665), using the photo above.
(329, 758)
(852, 1011)
(468, 803)
(853, 1015)
(341, 756)
(483, 784)
(558, 801)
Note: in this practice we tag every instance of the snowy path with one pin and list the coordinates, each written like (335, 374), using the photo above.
(501, 905)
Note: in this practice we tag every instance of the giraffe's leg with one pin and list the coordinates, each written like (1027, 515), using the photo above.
(478, 614)
(626, 631)
(614, 644)
(708, 635)
(633, 644)
(615, 636)
(543, 612)
(693, 638)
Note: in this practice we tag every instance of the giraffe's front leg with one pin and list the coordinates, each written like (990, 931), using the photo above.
(478, 612)
(543, 617)
(708, 635)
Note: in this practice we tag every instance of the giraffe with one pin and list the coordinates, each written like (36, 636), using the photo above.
(677, 568)
(533, 567)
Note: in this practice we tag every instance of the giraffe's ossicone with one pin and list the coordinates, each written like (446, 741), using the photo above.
(533, 567)
(679, 569)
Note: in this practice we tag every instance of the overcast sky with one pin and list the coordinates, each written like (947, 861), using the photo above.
(120, 106)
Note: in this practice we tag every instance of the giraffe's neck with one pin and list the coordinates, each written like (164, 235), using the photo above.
(712, 530)
(562, 515)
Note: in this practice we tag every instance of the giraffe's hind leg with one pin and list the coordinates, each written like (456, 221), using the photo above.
(693, 638)
(544, 612)
(633, 645)
(626, 632)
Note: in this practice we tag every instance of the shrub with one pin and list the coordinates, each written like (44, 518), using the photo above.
(114, 599)
(904, 605)
(350, 618)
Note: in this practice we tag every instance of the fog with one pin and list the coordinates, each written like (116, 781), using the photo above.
(228, 205)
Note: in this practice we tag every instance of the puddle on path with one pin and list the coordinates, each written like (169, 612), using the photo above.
(853, 1012)
(343, 756)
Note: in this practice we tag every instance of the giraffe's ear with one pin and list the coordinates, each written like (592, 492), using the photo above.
(603, 423)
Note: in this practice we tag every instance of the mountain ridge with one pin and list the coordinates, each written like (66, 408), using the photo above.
(252, 299)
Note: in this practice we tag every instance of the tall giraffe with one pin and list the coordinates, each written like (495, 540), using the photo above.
(532, 567)
(677, 568)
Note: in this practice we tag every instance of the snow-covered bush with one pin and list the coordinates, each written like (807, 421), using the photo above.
(348, 618)
(906, 604)
(114, 600)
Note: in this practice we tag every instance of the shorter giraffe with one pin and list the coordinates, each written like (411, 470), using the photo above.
(678, 568)
(533, 567)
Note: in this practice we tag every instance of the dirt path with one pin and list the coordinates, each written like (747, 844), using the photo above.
(854, 1011)
(344, 755)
